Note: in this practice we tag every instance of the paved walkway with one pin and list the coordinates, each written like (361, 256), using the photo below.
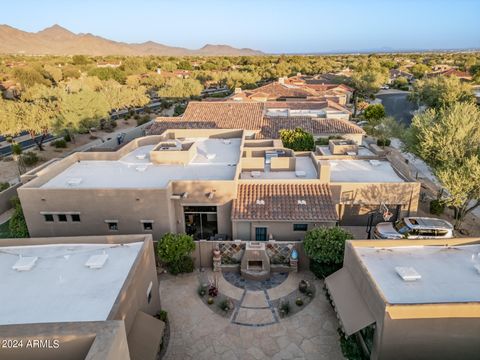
(198, 333)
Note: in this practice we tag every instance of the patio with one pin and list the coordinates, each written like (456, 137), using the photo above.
(196, 332)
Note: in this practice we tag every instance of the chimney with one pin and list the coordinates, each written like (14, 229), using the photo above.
(281, 80)
(237, 90)
(324, 171)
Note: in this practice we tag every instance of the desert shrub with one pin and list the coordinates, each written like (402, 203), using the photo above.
(4, 186)
(143, 120)
(437, 207)
(175, 250)
(202, 290)
(162, 315)
(179, 109)
(299, 302)
(350, 348)
(17, 225)
(383, 142)
(224, 304)
(60, 143)
(325, 247)
(376, 111)
(284, 308)
(297, 139)
(30, 158)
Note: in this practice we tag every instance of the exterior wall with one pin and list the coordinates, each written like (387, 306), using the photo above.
(357, 199)
(128, 206)
(133, 296)
(77, 341)
(278, 230)
(6, 196)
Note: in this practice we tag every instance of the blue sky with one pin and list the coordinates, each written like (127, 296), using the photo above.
(274, 26)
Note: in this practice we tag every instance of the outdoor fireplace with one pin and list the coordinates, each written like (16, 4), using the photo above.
(255, 262)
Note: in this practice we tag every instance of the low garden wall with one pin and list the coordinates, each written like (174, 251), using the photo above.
(232, 252)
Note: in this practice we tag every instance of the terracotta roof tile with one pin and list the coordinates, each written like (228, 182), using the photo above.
(281, 202)
(315, 126)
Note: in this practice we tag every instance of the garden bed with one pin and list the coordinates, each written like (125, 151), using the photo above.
(303, 299)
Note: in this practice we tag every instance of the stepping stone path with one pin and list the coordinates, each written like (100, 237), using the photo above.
(255, 309)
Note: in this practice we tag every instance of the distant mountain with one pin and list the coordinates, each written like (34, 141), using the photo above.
(56, 40)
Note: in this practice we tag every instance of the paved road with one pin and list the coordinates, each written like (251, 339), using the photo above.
(397, 105)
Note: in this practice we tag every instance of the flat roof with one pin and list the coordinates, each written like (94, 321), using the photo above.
(448, 274)
(362, 171)
(302, 163)
(362, 151)
(215, 160)
(59, 287)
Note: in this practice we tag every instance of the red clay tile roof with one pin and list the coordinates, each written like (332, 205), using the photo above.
(315, 126)
(280, 202)
(275, 90)
(226, 115)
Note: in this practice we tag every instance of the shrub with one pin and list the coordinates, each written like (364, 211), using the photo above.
(437, 207)
(16, 149)
(350, 348)
(303, 286)
(325, 247)
(17, 225)
(202, 290)
(143, 120)
(210, 301)
(284, 308)
(297, 139)
(224, 304)
(179, 109)
(383, 142)
(184, 265)
(212, 291)
(67, 137)
(136, 117)
(162, 315)
(299, 302)
(376, 111)
(60, 143)
(4, 186)
(30, 158)
(174, 250)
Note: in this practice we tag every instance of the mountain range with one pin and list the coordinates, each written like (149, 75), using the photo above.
(56, 40)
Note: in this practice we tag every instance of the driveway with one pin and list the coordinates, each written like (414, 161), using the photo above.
(396, 104)
(196, 332)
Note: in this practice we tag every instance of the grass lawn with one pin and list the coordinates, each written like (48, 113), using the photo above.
(4, 231)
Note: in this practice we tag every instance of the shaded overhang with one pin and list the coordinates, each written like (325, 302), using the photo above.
(350, 307)
(145, 337)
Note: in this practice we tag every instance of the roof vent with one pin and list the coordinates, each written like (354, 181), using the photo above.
(25, 263)
(74, 181)
(260, 202)
(374, 162)
(301, 202)
(256, 174)
(300, 173)
(141, 168)
(211, 156)
(408, 273)
(226, 141)
(97, 261)
(141, 156)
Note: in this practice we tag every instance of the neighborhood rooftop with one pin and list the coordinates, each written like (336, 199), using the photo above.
(446, 274)
(59, 286)
(368, 171)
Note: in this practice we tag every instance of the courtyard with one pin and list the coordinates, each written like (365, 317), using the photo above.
(254, 330)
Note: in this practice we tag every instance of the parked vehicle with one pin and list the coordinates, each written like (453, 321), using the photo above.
(414, 228)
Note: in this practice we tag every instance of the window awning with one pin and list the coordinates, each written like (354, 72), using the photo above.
(145, 337)
(351, 309)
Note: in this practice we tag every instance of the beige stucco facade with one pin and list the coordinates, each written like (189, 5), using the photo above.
(93, 340)
(164, 207)
(449, 330)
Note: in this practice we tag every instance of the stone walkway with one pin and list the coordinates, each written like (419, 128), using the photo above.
(198, 333)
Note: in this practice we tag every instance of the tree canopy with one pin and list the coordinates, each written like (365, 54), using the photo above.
(297, 139)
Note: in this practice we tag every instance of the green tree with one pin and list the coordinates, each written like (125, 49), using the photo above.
(441, 91)
(80, 60)
(384, 129)
(419, 70)
(175, 250)
(374, 112)
(297, 139)
(120, 96)
(325, 247)
(29, 76)
(17, 225)
(367, 81)
(109, 73)
(180, 88)
(449, 140)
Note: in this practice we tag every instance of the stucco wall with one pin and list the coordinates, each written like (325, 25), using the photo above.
(6, 197)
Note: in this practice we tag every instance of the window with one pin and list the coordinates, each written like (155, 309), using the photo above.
(147, 225)
(62, 217)
(261, 234)
(48, 217)
(442, 232)
(112, 225)
(300, 227)
(75, 217)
